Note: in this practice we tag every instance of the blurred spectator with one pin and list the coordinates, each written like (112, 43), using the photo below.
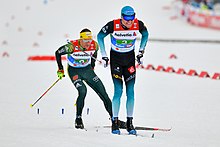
(185, 1)
(216, 7)
(196, 3)
(207, 4)
(203, 4)
(216, 1)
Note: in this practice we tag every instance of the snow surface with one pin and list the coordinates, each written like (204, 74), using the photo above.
(190, 105)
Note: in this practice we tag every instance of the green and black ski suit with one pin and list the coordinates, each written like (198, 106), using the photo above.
(80, 70)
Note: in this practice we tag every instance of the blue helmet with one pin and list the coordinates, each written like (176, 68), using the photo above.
(128, 13)
(127, 10)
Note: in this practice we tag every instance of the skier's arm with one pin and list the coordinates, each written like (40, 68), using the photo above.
(93, 60)
(65, 49)
(107, 29)
(94, 55)
(144, 38)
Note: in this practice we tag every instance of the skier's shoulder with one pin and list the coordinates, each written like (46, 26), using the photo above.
(95, 44)
(74, 42)
(108, 28)
(110, 25)
(142, 25)
(69, 47)
(140, 22)
(111, 22)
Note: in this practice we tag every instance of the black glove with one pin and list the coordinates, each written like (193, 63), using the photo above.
(105, 61)
(139, 56)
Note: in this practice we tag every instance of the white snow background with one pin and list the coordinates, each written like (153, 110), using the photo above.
(188, 104)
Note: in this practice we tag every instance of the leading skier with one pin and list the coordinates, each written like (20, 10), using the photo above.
(123, 33)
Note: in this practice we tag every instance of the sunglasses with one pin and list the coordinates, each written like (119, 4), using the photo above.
(128, 17)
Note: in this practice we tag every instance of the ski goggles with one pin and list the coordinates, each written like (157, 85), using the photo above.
(128, 17)
(86, 35)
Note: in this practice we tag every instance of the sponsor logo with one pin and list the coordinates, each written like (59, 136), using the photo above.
(78, 85)
(104, 30)
(124, 41)
(131, 77)
(92, 46)
(131, 69)
(62, 50)
(81, 55)
(75, 77)
(134, 34)
(117, 26)
(123, 35)
(117, 76)
(117, 69)
(82, 61)
(96, 79)
(78, 80)
(135, 25)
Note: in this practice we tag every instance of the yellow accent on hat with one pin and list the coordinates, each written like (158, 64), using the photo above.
(86, 35)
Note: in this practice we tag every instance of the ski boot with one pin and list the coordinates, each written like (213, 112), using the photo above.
(122, 124)
(130, 128)
(115, 128)
(79, 123)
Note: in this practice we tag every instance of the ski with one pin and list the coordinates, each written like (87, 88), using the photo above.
(142, 128)
(134, 135)
(152, 129)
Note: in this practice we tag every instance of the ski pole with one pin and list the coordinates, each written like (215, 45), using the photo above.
(91, 56)
(31, 105)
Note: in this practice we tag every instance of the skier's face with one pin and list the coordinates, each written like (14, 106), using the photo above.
(127, 23)
(85, 43)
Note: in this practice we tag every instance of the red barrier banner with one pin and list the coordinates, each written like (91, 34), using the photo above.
(203, 19)
(43, 58)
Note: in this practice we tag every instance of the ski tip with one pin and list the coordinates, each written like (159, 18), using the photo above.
(167, 129)
(31, 105)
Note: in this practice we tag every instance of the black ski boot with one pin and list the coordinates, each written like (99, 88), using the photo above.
(115, 128)
(79, 123)
(130, 128)
(122, 124)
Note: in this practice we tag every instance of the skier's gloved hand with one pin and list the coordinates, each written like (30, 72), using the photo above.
(60, 73)
(105, 60)
(139, 56)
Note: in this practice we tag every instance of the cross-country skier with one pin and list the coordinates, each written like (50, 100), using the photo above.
(123, 33)
(81, 55)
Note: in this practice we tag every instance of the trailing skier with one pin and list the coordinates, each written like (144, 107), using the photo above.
(81, 57)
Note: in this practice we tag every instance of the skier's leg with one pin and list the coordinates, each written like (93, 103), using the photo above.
(116, 72)
(130, 75)
(82, 91)
(130, 97)
(116, 101)
(81, 88)
(96, 84)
